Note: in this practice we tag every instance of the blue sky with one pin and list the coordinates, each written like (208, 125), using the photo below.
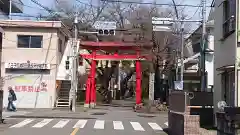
(35, 9)
(31, 8)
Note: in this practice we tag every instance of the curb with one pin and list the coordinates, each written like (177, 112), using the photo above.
(119, 104)
(116, 105)
(52, 117)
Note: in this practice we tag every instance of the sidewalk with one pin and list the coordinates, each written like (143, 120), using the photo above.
(81, 113)
(6, 114)
(121, 107)
(120, 103)
(58, 113)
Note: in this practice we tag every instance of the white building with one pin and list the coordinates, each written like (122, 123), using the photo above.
(31, 53)
(226, 73)
(192, 52)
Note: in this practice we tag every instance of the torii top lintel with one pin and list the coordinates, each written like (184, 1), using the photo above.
(105, 45)
(110, 46)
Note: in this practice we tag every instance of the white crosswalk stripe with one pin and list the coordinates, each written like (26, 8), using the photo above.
(154, 126)
(61, 123)
(118, 125)
(137, 126)
(42, 123)
(23, 123)
(82, 123)
(99, 124)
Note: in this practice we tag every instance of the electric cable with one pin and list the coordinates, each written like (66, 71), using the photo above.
(157, 4)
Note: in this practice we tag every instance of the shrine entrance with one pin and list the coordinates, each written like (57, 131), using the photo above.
(112, 52)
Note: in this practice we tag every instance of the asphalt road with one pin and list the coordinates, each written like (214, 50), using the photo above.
(117, 122)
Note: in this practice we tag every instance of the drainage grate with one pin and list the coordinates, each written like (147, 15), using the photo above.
(99, 113)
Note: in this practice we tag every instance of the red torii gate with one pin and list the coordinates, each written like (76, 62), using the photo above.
(90, 98)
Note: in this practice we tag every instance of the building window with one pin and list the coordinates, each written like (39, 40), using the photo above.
(28, 41)
(196, 47)
(228, 82)
(60, 49)
(229, 13)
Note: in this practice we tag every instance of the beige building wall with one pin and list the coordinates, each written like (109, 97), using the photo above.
(49, 54)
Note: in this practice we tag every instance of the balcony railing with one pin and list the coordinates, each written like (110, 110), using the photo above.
(17, 6)
(229, 27)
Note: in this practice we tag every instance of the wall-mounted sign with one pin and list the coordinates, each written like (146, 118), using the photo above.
(162, 24)
(162, 21)
(27, 65)
(25, 88)
(105, 25)
(28, 83)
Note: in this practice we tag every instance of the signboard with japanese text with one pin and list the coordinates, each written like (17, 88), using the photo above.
(28, 83)
(162, 24)
(26, 88)
(26, 65)
(32, 90)
(105, 25)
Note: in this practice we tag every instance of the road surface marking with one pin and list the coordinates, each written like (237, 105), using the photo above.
(118, 125)
(80, 124)
(137, 126)
(42, 123)
(99, 124)
(166, 123)
(154, 126)
(74, 131)
(61, 124)
(23, 123)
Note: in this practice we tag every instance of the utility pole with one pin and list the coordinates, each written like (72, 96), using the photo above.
(10, 9)
(176, 60)
(181, 21)
(182, 54)
(203, 74)
(74, 80)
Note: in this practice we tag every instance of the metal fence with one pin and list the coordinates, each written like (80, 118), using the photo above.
(228, 121)
(189, 111)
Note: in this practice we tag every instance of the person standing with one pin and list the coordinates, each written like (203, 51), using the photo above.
(11, 98)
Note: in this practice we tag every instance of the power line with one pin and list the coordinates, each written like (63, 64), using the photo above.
(27, 5)
(90, 5)
(46, 8)
(194, 13)
(156, 4)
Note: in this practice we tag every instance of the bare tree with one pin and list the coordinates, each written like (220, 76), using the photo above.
(136, 21)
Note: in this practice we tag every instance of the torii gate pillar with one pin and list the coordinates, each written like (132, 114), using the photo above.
(90, 100)
(138, 83)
